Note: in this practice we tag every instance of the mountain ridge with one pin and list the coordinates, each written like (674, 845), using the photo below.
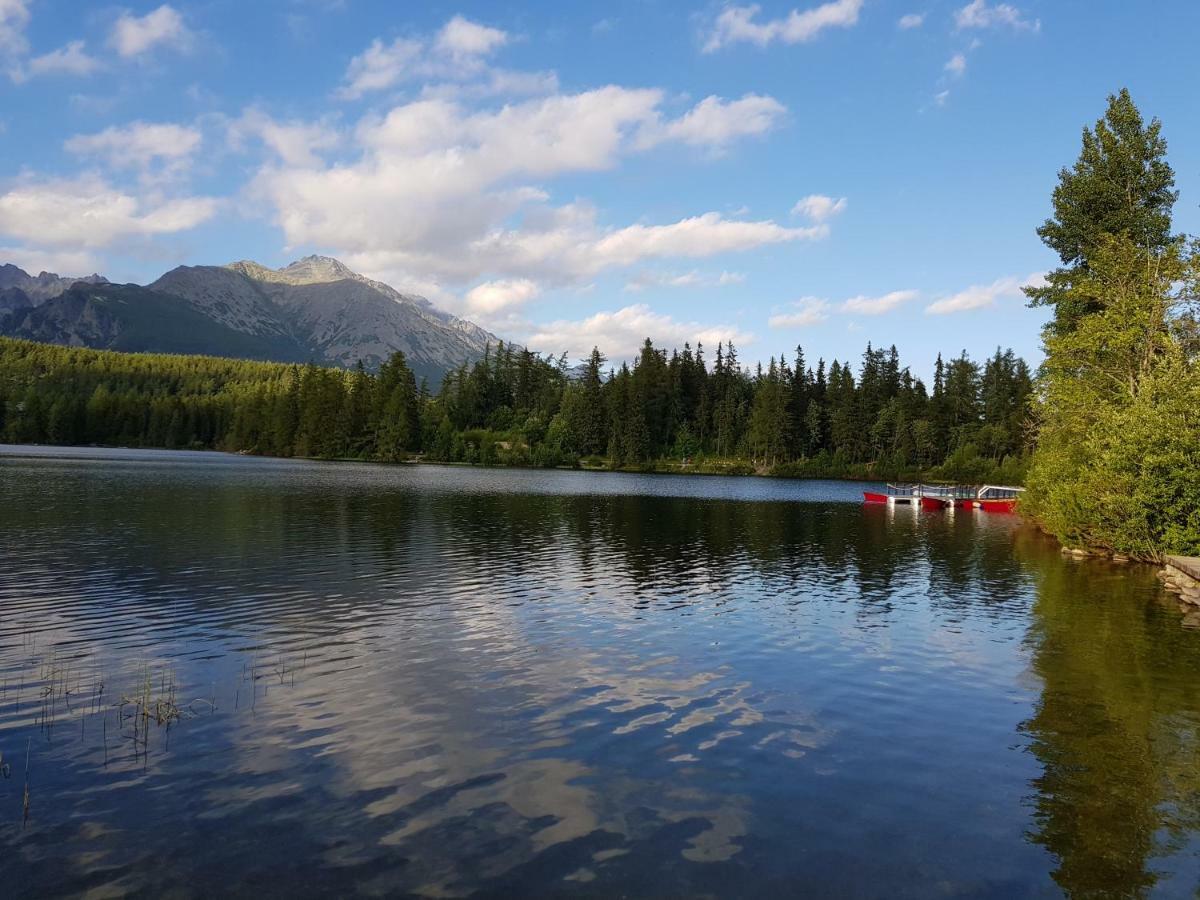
(41, 287)
(315, 308)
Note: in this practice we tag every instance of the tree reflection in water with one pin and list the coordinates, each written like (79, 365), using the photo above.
(1115, 728)
(532, 682)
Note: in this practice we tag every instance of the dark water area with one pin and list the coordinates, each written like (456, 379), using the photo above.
(274, 678)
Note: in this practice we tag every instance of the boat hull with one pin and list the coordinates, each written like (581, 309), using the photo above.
(871, 497)
(996, 506)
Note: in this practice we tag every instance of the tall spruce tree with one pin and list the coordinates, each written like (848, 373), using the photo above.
(1121, 185)
(592, 432)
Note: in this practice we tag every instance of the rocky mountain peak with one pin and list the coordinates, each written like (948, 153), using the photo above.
(253, 270)
(327, 270)
(316, 309)
(42, 286)
(309, 270)
(319, 269)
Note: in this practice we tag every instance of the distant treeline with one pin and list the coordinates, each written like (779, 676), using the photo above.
(676, 410)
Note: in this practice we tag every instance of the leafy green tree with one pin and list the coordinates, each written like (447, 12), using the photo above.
(1117, 466)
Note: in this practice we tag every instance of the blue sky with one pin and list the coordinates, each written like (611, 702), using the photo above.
(567, 174)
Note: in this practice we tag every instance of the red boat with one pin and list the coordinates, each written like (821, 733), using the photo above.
(994, 498)
(988, 498)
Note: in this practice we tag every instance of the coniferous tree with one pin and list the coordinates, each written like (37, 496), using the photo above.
(1121, 185)
(513, 406)
(398, 421)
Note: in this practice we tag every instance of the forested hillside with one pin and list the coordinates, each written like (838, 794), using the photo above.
(677, 410)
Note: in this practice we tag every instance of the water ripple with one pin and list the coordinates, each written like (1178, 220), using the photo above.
(277, 678)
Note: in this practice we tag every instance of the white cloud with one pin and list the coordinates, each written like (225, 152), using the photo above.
(693, 279)
(957, 65)
(737, 23)
(88, 213)
(14, 17)
(698, 236)
(806, 311)
(442, 192)
(715, 122)
(978, 296)
(461, 38)
(458, 52)
(60, 262)
(621, 332)
(380, 66)
(296, 143)
(876, 306)
(978, 14)
(70, 59)
(493, 297)
(134, 35)
(818, 207)
(911, 20)
(140, 145)
(941, 97)
(814, 310)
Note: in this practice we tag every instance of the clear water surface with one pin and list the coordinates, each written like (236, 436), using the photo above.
(225, 675)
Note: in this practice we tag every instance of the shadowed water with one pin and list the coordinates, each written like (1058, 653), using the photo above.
(279, 678)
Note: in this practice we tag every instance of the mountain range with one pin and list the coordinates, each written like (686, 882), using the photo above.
(314, 309)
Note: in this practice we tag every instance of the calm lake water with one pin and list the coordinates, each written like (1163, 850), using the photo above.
(444, 681)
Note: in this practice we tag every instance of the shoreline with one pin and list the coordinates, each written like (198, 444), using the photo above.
(1080, 553)
(740, 469)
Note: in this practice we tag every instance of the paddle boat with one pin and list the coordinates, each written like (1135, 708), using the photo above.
(988, 497)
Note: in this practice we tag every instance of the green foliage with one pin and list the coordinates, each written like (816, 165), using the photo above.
(1121, 186)
(1117, 465)
(516, 408)
(966, 466)
(1118, 461)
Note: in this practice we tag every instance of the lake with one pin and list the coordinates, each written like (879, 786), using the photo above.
(283, 678)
